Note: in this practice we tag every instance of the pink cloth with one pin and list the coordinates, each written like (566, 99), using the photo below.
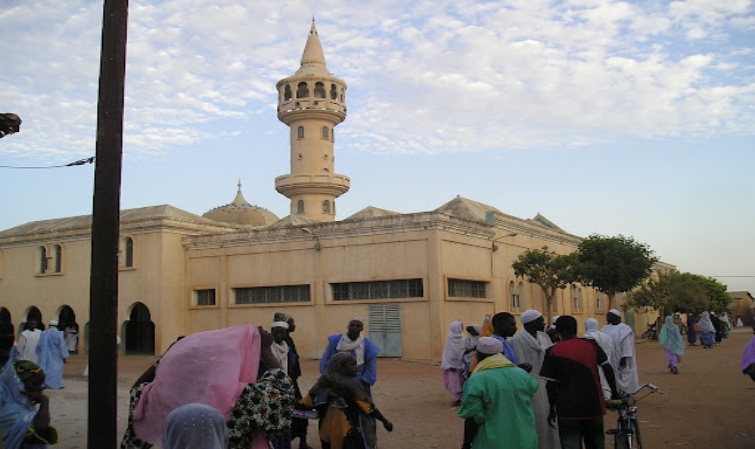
(454, 382)
(209, 368)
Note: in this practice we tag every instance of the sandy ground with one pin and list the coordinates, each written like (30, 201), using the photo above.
(709, 404)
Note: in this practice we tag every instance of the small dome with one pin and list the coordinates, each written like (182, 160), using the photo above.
(239, 211)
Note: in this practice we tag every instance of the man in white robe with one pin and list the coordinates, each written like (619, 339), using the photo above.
(28, 340)
(623, 358)
(605, 342)
(530, 345)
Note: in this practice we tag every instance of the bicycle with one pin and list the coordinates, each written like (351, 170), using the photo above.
(650, 333)
(627, 433)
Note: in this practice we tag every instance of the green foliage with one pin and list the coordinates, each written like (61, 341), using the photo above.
(670, 292)
(720, 301)
(614, 264)
(547, 269)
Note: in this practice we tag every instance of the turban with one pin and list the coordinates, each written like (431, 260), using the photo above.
(280, 316)
(282, 324)
(489, 345)
(529, 316)
(26, 369)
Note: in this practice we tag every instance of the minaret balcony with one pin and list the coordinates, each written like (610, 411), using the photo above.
(325, 183)
(303, 108)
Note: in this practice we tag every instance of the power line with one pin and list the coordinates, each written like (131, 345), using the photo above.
(734, 276)
(88, 160)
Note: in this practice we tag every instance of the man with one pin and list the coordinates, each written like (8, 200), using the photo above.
(497, 402)
(28, 340)
(52, 353)
(530, 345)
(504, 326)
(298, 425)
(364, 351)
(574, 391)
(623, 357)
(606, 344)
(288, 362)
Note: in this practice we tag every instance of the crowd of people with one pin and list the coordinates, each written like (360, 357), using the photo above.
(238, 387)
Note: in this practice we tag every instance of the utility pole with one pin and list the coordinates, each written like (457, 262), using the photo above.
(103, 287)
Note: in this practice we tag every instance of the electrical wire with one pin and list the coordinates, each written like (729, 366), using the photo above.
(85, 161)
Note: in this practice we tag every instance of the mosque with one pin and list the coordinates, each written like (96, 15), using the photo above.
(407, 275)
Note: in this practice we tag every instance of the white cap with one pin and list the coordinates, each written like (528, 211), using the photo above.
(529, 316)
(53, 322)
(489, 345)
(282, 324)
(615, 312)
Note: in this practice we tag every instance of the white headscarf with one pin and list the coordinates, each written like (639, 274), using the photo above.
(454, 347)
(195, 426)
(345, 344)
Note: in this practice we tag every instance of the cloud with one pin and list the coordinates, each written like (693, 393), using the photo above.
(426, 77)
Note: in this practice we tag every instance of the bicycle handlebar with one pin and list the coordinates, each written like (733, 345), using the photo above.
(628, 400)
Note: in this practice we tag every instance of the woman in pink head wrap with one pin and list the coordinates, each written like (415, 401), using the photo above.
(220, 369)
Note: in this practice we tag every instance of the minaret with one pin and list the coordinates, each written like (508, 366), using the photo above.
(312, 102)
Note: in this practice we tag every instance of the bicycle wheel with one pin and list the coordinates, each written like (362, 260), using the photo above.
(637, 439)
(621, 439)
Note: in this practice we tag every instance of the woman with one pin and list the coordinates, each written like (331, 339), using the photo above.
(748, 357)
(692, 327)
(24, 409)
(452, 363)
(217, 368)
(707, 331)
(346, 412)
(195, 426)
(672, 343)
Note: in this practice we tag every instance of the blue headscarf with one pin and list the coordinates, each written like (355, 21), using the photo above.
(17, 412)
(670, 337)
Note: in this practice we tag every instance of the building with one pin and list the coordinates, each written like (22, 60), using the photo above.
(742, 305)
(408, 275)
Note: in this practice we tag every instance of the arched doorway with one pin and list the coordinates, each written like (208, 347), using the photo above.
(32, 314)
(140, 331)
(67, 323)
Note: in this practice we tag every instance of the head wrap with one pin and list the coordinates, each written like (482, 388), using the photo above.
(615, 312)
(282, 324)
(529, 316)
(26, 369)
(454, 349)
(53, 322)
(591, 325)
(356, 318)
(280, 316)
(489, 345)
(195, 426)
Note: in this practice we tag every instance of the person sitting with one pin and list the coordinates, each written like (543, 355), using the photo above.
(346, 413)
(24, 409)
(195, 426)
(217, 368)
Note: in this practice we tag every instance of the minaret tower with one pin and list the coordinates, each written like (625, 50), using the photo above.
(312, 102)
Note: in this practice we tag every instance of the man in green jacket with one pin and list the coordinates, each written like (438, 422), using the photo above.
(497, 402)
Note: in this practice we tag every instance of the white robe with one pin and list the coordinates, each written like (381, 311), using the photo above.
(529, 350)
(606, 344)
(27, 345)
(623, 346)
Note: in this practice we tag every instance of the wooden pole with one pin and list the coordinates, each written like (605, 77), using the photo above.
(103, 288)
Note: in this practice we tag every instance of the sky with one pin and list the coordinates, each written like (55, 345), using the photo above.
(607, 117)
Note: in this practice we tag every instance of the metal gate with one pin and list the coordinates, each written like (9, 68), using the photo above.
(385, 328)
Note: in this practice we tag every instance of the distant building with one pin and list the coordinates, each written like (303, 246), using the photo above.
(407, 275)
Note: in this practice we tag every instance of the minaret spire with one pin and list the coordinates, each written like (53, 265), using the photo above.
(312, 103)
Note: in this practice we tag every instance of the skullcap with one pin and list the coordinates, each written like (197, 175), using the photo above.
(53, 322)
(489, 345)
(529, 316)
(356, 318)
(615, 312)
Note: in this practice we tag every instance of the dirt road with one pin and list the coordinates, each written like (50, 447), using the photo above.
(709, 404)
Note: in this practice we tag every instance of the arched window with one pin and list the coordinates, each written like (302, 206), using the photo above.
(287, 95)
(333, 137)
(333, 92)
(302, 91)
(343, 95)
(326, 207)
(42, 253)
(300, 132)
(58, 254)
(522, 296)
(300, 207)
(319, 90)
(514, 295)
(128, 256)
(325, 132)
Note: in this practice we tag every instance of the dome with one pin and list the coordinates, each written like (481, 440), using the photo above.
(239, 211)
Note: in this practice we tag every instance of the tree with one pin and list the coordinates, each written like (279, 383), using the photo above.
(614, 264)
(547, 269)
(670, 292)
(9, 123)
(720, 301)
